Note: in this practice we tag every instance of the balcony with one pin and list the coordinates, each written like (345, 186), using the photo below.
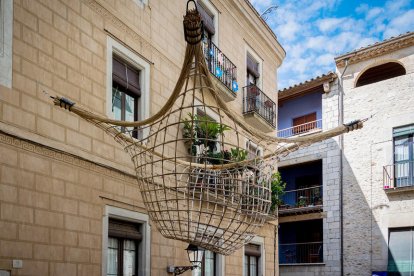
(300, 253)
(399, 176)
(309, 127)
(224, 71)
(301, 201)
(258, 109)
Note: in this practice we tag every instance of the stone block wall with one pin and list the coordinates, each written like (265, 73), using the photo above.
(369, 211)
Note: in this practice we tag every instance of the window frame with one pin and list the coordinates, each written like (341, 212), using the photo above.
(207, 5)
(6, 42)
(144, 247)
(249, 51)
(257, 240)
(129, 56)
(410, 160)
(400, 229)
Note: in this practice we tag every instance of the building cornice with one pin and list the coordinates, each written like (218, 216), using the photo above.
(319, 83)
(377, 49)
(246, 9)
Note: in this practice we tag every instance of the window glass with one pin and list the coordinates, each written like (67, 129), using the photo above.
(253, 266)
(112, 263)
(209, 263)
(130, 257)
(401, 252)
(403, 156)
(116, 103)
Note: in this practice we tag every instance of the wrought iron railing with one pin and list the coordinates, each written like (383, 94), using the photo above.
(220, 65)
(300, 253)
(299, 129)
(400, 174)
(300, 198)
(254, 100)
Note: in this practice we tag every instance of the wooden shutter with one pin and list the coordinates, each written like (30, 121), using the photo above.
(208, 19)
(126, 76)
(252, 66)
(124, 229)
(252, 250)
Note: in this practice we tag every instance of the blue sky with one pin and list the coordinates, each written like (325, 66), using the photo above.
(313, 32)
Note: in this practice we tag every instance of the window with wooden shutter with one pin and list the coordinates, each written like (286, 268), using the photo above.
(123, 240)
(126, 91)
(252, 254)
(208, 19)
(304, 123)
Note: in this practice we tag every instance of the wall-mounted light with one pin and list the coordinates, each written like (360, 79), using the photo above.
(195, 256)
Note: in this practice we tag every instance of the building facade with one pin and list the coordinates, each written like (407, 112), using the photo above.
(69, 202)
(365, 217)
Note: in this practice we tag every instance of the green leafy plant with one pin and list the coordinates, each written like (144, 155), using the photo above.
(238, 154)
(218, 158)
(301, 202)
(278, 190)
(203, 130)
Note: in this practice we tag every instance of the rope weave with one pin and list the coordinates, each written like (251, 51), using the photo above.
(195, 180)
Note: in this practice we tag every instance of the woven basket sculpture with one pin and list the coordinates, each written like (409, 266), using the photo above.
(197, 181)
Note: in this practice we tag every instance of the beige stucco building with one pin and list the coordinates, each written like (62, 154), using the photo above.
(62, 180)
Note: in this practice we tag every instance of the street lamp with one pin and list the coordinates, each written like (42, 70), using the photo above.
(195, 256)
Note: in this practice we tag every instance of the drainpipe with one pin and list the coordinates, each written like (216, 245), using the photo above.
(341, 174)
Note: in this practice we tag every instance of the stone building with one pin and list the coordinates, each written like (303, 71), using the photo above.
(365, 218)
(65, 186)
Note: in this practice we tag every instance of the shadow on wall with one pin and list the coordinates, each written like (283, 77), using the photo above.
(365, 240)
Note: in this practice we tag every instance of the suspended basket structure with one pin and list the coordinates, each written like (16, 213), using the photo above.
(197, 181)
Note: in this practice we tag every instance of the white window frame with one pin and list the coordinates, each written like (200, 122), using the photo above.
(114, 47)
(259, 150)
(212, 9)
(144, 248)
(249, 51)
(262, 260)
(6, 42)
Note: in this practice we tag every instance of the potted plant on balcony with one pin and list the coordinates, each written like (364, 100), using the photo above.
(278, 190)
(202, 130)
(301, 202)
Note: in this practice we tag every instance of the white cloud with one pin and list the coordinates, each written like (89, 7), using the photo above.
(400, 24)
(313, 32)
(372, 13)
(329, 24)
(289, 30)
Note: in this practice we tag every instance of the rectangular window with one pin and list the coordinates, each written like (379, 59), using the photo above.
(125, 92)
(252, 254)
(304, 123)
(401, 252)
(6, 40)
(252, 67)
(404, 156)
(123, 242)
(126, 241)
(208, 265)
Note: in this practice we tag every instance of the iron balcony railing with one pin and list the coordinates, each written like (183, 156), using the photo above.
(398, 175)
(254, 100)
(300, 198)
(299, 129)
(300, 253)
(220, 66)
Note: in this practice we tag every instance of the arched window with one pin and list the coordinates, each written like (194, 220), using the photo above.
(381, 72)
